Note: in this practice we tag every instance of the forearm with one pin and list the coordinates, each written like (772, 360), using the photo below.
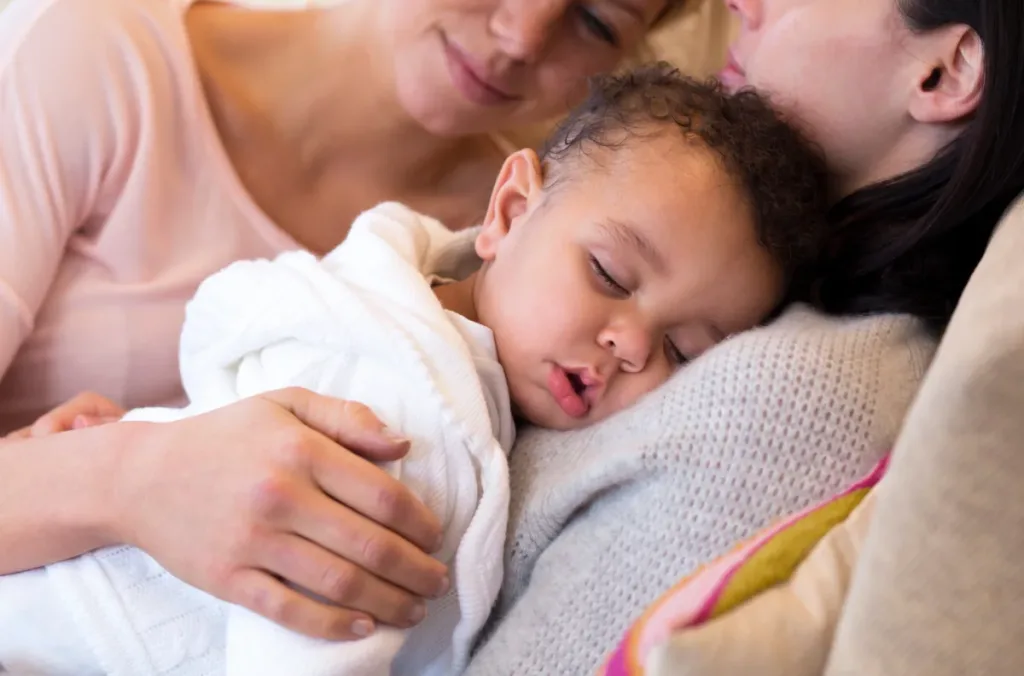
(57, 495)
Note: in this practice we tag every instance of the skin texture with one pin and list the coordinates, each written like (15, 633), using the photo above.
(323, 113)
(855, 77)
(567, 284)
(327, 112)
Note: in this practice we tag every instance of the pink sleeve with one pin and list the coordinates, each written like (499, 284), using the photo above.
(63, 80)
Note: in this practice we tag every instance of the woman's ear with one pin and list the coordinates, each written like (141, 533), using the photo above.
(952, 78)
(519, 186)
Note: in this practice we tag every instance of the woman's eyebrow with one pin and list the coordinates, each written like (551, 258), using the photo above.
(629, 236)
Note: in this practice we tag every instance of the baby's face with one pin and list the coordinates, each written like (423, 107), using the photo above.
(599, 288)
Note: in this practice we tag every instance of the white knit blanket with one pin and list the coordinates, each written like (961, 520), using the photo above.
(362, 323)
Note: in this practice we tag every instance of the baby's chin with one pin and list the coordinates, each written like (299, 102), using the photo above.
(551, 417)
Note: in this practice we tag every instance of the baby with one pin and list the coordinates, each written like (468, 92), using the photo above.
(662, 217)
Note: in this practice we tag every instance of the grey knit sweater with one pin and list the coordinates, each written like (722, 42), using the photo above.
(605, 519)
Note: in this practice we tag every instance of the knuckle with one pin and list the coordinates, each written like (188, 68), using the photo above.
(341, 584)
(389, 503)
(293, 448)
(358, 413)
(271, 603)
(220, 574)
(378, 554)
(270, 500)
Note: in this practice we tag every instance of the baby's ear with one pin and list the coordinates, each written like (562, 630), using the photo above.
(516, 191)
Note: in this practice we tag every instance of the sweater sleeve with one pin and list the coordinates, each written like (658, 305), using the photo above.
(604, 521)
(62, 80)
(938, 588)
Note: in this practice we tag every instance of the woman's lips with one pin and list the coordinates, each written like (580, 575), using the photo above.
(732, 76)
(561, 389)
(472, 80)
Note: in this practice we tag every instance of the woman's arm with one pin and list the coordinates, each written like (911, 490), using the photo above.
(234, 502)
(604, 521)
(55, 496)
(58, 140)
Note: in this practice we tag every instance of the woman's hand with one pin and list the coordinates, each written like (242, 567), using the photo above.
(278, 491)
(86, 410)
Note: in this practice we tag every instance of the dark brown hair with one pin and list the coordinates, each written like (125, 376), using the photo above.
(910, 244)
(783, 177)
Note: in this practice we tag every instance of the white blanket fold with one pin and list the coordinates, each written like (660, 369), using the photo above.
(362, 324)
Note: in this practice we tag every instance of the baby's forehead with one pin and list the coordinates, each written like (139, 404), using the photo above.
(656, 179)
(639, 157)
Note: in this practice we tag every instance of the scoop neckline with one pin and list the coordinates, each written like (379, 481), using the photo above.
(216, 153)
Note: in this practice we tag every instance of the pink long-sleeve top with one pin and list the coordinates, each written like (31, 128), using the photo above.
(116, 199)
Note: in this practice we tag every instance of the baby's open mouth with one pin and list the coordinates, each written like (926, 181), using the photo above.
(577, 383)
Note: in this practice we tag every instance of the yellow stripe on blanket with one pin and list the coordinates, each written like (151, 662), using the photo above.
(754, 566)
(774, 562)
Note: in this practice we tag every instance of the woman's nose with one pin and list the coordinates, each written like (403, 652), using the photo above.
(524, 28)
(750, 12)
(631, 346)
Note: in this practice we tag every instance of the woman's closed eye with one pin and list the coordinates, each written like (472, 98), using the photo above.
(606, 279)
(596, 26)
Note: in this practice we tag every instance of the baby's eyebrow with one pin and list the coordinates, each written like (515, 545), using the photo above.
(630, 8)
(627, 235)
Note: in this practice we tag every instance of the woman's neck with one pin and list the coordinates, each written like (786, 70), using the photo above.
(318, 85)
(918, 146)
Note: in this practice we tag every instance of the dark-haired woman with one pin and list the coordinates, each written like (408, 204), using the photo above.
(916, 104)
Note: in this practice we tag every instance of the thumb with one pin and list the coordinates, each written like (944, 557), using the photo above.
(349, 423)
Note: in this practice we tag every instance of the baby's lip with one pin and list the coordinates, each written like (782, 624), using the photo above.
(572, 402)
(591, 380)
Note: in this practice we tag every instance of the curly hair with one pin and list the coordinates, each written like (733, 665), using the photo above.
(783, 176)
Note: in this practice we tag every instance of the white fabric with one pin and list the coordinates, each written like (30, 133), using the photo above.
(363, 324)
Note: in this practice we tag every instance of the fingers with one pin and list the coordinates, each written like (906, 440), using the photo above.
(353, 480)
(350, 424)
(92, 408)
(262, 594)
(16, 435)
(372, 548)
(340, 582)
(370, 491)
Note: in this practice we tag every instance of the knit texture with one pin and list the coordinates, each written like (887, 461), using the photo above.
(605, 519)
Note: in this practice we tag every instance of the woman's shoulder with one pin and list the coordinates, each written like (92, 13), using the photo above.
(112, 42)
(822, 353)
(805, 382)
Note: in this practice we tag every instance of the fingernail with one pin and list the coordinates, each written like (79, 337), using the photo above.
(394, 436)
(418, 612)
(362, 628)
(445, 585)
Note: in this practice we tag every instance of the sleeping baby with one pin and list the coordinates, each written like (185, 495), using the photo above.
(662, 217)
